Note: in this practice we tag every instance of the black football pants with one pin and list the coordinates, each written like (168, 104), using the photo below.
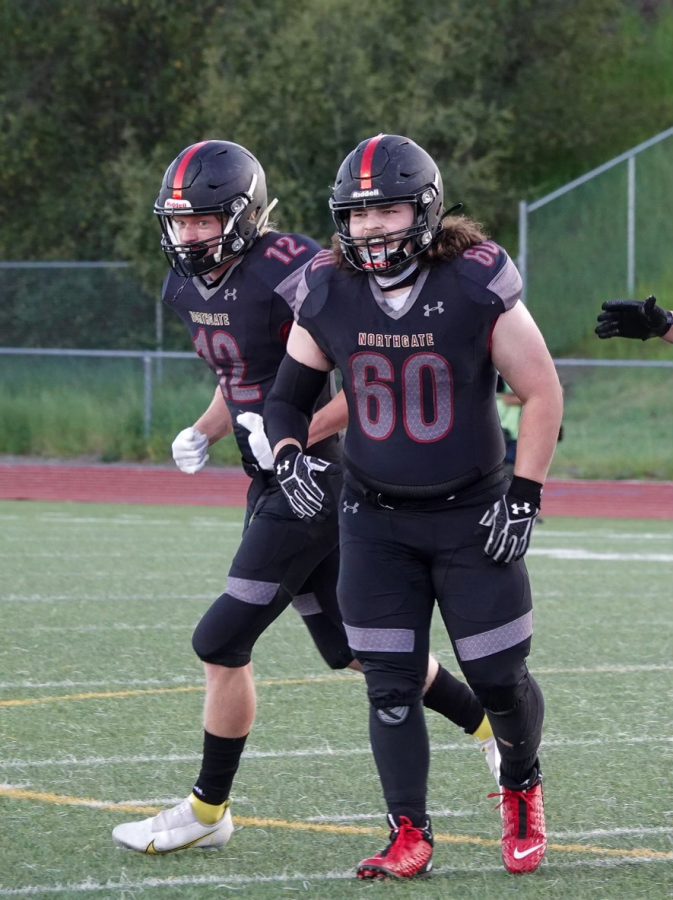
(394, 564)
(280, 558)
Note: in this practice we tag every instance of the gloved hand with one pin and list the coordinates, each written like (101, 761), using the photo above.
(295, 474)
(511, 520)
(641, 319)
(190, 450)
(257, 439)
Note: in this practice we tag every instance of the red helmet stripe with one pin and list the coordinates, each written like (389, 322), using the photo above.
(182, 168)
(367, 161)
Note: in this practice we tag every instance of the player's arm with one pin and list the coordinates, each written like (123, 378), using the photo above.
(638, 319)
(300, 379)
(190, 447)
(305, 480)
(520, 354)
(215, 422)
(328, 420)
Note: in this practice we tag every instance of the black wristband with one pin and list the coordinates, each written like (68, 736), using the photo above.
(285, 451)
(525, 489)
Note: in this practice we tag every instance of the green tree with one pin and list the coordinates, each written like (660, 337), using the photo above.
(84, 81)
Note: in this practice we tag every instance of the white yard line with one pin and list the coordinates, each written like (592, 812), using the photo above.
(586, 555)
(93, 761)
(304, 880)
(188, 679)
(601, 536)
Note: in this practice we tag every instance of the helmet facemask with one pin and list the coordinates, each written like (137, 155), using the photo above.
(386, 253)
(200, 257)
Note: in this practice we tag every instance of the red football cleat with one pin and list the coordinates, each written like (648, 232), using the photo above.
(408, 854)
(524, 835)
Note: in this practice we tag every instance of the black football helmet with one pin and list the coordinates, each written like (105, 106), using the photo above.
(383, 170)
(211, 177)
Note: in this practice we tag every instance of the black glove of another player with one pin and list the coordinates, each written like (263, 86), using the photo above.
(511, 520)
(295, 474)
(641, 319)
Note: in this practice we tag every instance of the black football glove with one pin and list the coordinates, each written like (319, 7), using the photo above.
(511, 520)
(295, 474)
(641, 319)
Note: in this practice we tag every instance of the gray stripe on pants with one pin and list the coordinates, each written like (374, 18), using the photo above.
(306, 604)
(497, 639)
(392, 640)
(259, 593)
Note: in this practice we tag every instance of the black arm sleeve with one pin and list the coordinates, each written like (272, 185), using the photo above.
(290, 402)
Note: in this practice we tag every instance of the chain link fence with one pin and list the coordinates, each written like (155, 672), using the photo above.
(605, 235)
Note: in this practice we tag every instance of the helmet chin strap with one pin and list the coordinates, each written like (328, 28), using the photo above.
(390, 282)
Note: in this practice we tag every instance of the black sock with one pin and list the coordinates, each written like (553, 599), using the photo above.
(455, 701)
(402, 755)
(220, 761)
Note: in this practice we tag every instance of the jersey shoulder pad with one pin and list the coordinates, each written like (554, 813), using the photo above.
(489, 271)
(278, 254)
(320, 269)
(312, 276)
(276, 258)
(315, 285)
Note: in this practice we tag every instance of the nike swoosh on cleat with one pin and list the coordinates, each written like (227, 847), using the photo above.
(522, 854)
(152, 851)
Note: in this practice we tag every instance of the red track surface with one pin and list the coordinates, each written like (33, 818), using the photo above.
(100, 483)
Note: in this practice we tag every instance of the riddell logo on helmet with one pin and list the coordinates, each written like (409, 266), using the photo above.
(372, 192)
(172, 203)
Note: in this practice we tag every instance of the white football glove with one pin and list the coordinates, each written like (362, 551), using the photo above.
(259, 443)
(190, 450)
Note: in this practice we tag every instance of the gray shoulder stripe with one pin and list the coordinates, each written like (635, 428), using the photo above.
(293, 289)
(507, 284)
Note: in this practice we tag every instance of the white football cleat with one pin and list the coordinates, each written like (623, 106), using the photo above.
(173, 829)
(489, 747)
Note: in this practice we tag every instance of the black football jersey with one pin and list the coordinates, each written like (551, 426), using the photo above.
(241, 324)
(419, 380)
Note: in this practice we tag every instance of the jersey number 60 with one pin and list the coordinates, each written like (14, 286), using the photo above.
(424, 393)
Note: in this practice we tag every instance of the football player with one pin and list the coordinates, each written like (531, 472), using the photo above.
(419, 311)
(232, 282)
(639, 319)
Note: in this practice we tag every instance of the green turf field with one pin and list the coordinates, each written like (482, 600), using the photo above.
(100, 704)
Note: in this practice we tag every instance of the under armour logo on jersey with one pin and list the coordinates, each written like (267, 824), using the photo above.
(430, 309)
(523, 508)
(229, 294)
(283, 467)
(349, 508)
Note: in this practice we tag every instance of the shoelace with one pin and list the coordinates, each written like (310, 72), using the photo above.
(527, 796)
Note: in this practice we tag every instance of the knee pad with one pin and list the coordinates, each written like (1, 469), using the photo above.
(502, 699)
(220, 654)
(388, 692)
(222, 640)
(501, 680)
